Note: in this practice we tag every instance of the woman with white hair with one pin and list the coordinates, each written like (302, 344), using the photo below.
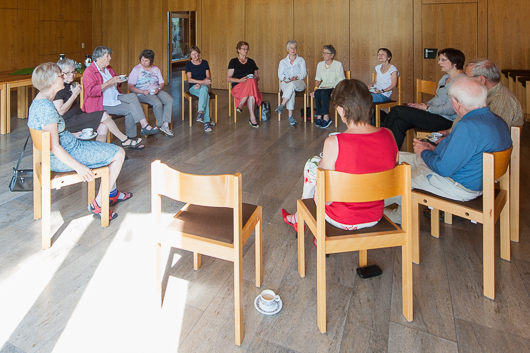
(69, 153)
(67, 106)
(291, 72)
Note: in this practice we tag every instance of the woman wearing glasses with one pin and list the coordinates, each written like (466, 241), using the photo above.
(329, 73)
(76, 119)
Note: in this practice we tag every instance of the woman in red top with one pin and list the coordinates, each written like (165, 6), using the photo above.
(361, 149)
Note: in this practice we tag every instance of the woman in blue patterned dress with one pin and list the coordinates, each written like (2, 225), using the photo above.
(69, 153)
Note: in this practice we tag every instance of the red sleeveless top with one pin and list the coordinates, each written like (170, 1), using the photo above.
(361, 154)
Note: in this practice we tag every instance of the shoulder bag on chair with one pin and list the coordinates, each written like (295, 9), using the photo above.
(22, 179)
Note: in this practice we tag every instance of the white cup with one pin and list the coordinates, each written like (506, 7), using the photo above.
(268, 300)
(87, 131)
(250, 76)
(435, 136)
(372, 89)
(152, 91)
(123, 77)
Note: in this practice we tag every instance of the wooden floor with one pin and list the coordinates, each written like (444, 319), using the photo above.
(94, 290)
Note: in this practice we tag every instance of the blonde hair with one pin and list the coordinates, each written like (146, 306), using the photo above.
(45, 75)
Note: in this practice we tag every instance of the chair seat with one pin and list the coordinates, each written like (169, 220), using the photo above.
(384, 224)
(215, 223)
(475, 204)
(188, 95)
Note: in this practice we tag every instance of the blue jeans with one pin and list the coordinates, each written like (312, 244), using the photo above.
(380, 98)
(204, 100)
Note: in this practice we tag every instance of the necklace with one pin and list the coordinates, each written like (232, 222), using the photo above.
(243, 61)
(326, 65)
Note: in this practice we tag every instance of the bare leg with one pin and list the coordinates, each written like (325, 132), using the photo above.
(144, 123)
(284, 101)
(326, 117)
(114, 170)
(291, 112)
(111, 125)
(242, 102)
(251, 105)
(102, 133)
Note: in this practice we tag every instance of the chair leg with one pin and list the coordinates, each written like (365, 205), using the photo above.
(190, 108)
(435, 223)
(158, 274)
(321, 284)
(109, 137)
(238, 310)
(182, 107)
(216, 109)
(105, 190)
(279, 101)
(377, 116)
(259, 253)
(448, 218)
(409, 139)
(46, 216)
(312, 110)
(406, 263)
(37, 197)
(196, 261)
(235, 111)
(488, 256)
(415, 229)
(505, 230)
(363, 258)
(301, 245)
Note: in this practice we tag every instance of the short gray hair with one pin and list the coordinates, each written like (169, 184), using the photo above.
(292, 42)
(45, 75)
(468, 92)
(65, 64)
(486, 68)
(100, 52)
(330, 48)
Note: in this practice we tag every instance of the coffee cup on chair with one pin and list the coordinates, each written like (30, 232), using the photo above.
(87, 131)
(268, 300)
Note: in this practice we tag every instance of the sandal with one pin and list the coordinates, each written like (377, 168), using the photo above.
(115, 199)
(207, 127)
(284, 215)
(256, 125)
(152, 131)
(133, 143)
(166, 131)
(95, 209)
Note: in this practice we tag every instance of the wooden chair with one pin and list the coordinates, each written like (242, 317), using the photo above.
(343, 187)
(389, 105)
(347, 74)
(304, 92)
(427, 87)
(213, 222)
(44, 180)
(515, 175)
(230, 97)
(485, 209)
(190, 97)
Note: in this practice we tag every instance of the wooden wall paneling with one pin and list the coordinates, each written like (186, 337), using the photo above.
(85, 29)
(145, 31)
(368, 34)
(317, 23)
(508, 28)
(183, 5)
(49, 38)
(223, 23)
(267, 42)
(8, 28)
(9, 4)
(448, 25)
(482, 30)
(115, 33)
(59, 10)
(97, 26)
(26, 52)
(70, 37)
(446, 1)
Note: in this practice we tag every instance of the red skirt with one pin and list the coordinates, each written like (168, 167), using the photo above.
(249, 88)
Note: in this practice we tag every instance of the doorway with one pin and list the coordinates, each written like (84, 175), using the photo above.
(181, 36)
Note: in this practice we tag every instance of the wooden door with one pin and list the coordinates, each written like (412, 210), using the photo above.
(442, 24)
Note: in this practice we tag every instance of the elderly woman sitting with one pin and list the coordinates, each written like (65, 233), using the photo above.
(291, 72)
(147, 82)
(243, 74)
(66, 103)
(102, 93)
(329, 73)
(68, 153)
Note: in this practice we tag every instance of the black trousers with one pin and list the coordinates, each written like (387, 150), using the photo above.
(402, 118)
(322, 100)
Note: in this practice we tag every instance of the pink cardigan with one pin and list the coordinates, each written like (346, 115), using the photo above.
(92, 82)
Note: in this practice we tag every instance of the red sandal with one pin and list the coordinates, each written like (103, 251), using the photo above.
(96, 210)
(115, 199)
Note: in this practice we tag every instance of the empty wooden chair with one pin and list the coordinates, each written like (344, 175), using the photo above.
(304, 92)
(214, 222)
(190, 97)
(427, 87)
(392, 103)
(343, 187)
(44, 180)
(347, 74)
(485, 209)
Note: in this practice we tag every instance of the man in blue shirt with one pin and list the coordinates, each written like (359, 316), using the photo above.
(453, 168)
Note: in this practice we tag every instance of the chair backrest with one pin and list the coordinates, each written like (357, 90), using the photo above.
(41, 140)
(41, 153)
(398, 87)
(204, 190)
(502, 162)
(428, 87)
(347, 74)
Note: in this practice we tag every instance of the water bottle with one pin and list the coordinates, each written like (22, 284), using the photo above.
(88, 60)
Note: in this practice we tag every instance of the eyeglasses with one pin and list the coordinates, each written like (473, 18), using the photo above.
(326, 53)
(69, 73)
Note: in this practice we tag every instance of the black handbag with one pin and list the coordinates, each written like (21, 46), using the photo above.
(22, 179)
(265, 111)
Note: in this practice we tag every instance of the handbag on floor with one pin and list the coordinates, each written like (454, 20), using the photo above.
(22, 179)
(265, 111)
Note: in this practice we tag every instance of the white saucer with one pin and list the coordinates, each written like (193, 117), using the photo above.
(275, 311)
(84, 137)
